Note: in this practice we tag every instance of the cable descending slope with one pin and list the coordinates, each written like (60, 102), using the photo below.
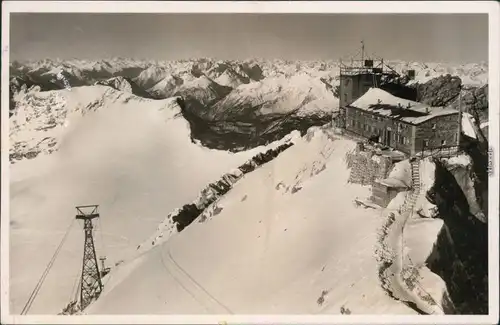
(38, 286)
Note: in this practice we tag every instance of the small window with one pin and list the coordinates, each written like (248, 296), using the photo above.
(433, 126)
(443, 142)
(426, 143)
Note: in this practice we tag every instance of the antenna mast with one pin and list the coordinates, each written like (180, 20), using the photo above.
(460, 113)
(362, 52)
(91, 285)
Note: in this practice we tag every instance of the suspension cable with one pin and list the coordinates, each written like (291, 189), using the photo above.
(75, 286)
(35, 291)
(103, 247)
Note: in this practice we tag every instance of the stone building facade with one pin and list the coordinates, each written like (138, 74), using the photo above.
(407, 126)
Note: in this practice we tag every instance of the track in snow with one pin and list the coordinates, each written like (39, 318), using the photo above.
(192, 287)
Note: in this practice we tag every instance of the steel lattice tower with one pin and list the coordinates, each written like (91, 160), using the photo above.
(91, 285)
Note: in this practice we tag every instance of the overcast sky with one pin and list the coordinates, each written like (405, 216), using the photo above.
(419, 37)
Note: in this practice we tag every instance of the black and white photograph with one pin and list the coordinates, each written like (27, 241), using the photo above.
(262, 162)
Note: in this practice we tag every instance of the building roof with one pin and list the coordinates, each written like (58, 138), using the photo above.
(380, 102)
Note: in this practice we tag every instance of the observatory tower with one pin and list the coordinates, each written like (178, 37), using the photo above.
(357, 76)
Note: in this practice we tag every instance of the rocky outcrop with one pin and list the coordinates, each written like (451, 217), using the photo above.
(475, 101)
(439, 91)
(35, 113)
(461, 168)
(445, 262)
(467, 280)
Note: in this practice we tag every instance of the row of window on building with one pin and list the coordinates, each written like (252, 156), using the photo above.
(401, 126)
(401, 139)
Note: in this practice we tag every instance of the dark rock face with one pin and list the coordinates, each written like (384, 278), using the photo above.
(439, 91)
(475, 101)
(244, 132)
(207, 97)
(189, 212)
(479, 153)
(186, 216)
(448, 266)
(467, 280)
(400, 90)
(249, 133)
(254, 72)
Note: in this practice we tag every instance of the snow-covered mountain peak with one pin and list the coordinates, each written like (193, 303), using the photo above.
(119, 83)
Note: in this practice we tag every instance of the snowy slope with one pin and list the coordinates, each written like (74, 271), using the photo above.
(133, 156)
(118, 83)
(285, 237)
(78, 72)
(166, 87)
(151, 76)
(203, 89)
(231, 79)
(279, 95)
(468, 127)
(471, 74)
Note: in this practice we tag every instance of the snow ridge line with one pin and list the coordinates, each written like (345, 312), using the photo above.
(397, 279)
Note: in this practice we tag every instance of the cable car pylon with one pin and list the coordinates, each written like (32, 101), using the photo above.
(90, 284)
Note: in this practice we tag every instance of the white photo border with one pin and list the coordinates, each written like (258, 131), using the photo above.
(492, 8)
